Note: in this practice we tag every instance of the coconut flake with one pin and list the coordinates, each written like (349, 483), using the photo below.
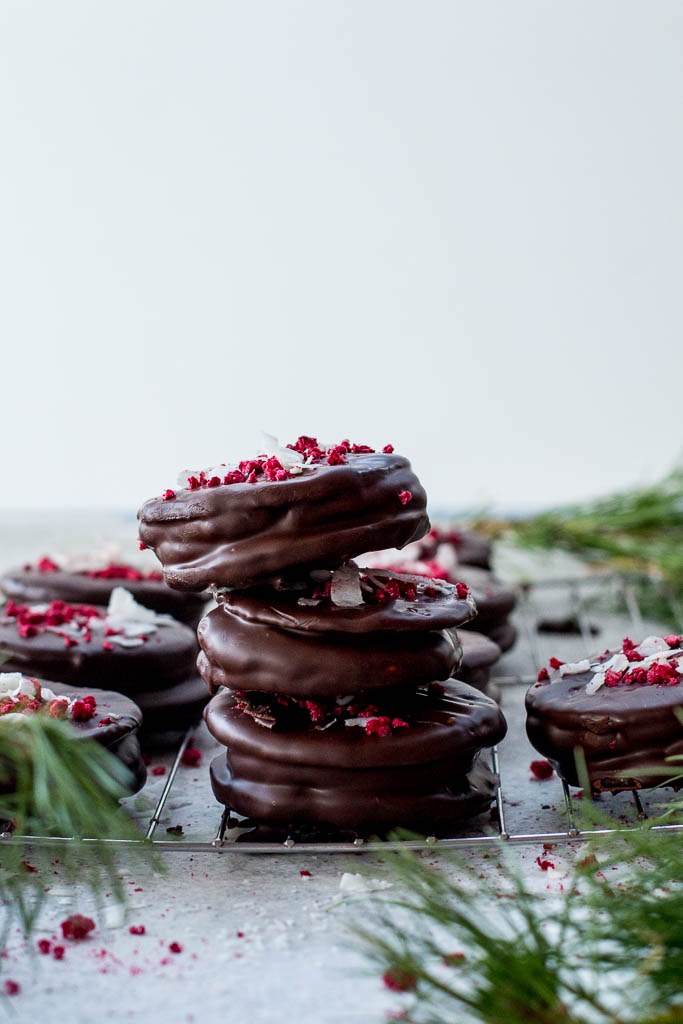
(652, 645)
(575, 668)
(345, 591)
(596, 682)
(10, 683)
(447, 557)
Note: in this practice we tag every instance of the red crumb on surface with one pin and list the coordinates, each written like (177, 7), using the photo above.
(555, 663)
(175, 947)
(305, 874)
(77, 926)
(541, 769)
(159, 769)
(405, 497)
(543, 675)
(44, 946)
(191, 757)
(58, 952)
(399, 981)
(137, 929)
(12, 988)
(462, 590)
(544, 864)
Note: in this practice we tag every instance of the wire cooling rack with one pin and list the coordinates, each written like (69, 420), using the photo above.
(606, 604)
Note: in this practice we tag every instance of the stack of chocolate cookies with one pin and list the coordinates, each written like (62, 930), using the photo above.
(333, 685)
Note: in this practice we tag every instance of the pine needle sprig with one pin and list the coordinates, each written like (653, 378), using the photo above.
(639, 530)
(58, 787)
(602, 951)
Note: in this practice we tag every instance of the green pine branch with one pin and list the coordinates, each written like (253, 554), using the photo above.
(606, 950)
(58, 787)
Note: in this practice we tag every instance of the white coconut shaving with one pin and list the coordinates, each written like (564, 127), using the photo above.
(131, 620)
(575, 668)
(653, 645)
(446, 557)
(268, 447)
(345, 591)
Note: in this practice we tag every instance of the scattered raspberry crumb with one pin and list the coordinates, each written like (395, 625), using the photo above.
(240, 935)
(305, 874)
(175, 947)
(159, 769)
(555, 663)
(544, 864)
(137, 929)
(543, 675)
(58, 952)
(399, 981)
(462, 590)
(405, 497)
(541, 769)
(388, 449)
(191, 757)
(453, 958)
(82, 711)
(12, 988)
(29, 868)
(44, 946)
(168, 495)
(142, 545)
(77, 926)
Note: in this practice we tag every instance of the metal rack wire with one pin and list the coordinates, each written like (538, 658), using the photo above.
(223, 843)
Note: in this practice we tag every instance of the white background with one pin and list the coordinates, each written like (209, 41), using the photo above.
(454, 226)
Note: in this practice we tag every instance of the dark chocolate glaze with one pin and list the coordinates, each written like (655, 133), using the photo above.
(622, 730)
(479, 655)
(241, 534)
(249, 655)
(30, 586)
(452, 727)
(353, 802)
(504, 635)
(171, 710)
(280, 608)
(471, 548)
(494, 599)
(119, 736)
(166, 657)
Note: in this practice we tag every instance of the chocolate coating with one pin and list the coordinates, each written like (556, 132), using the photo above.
(245, 654)
(623, 731)
(504, 635)
(30, 586)
(170, 711)
(166, 657)
(241, 534)
(355, 804)
(344, 777)
(119, 736)
(494, 599)
(479, 655)
(280, 608)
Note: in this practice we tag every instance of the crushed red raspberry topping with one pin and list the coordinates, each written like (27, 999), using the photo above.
(674, 640)
(122, 572)
(77, 927)
(462, 590)
(47, 565)
(544, 864)
(82, 711)
(137, 929)
(44, 946)
(662, 672)
(405, 497)
(399, 981)
(555, 663)
(191, 757)
(175, 947)
(541, 769)
(12, 988)
(159, 770)
(168, 495)
(613, 678)
(543, 675)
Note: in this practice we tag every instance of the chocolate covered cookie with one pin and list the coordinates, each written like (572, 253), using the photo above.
(479, 655)
(92, 580)
(306, 507)
(621, 711)
(365, 772)
(124, 647)
(110, 719)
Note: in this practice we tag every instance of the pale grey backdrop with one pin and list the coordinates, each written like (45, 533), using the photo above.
(455, 226)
